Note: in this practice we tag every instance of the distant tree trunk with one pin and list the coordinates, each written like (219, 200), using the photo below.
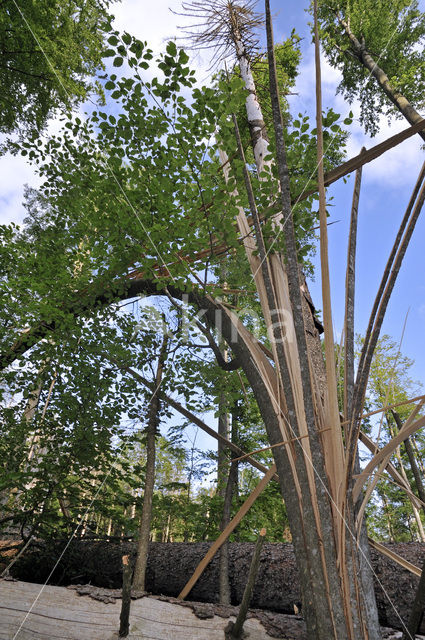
(418, 606)
(229, 493)
(224, 490)
(151, 433)
(224, 477)
(224, 582)
(223, 430)
(223, 417)
(399, 101)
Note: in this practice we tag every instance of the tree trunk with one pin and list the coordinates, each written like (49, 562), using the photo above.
(170, 565)
(399, 101)
(151, 433)
(224, 584)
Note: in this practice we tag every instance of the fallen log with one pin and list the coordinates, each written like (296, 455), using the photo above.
(170, 565)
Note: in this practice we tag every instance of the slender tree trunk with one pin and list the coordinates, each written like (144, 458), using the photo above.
(224, 582)
(222, 450)
(151, 433)
(234, 631)
(365, 58)
(223, 417)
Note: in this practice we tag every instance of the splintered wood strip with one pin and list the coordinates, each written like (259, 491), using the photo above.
(384, 462)
(363, 158)
(388, 407)
(350, 286)
(394, 556)
(272, 446)
(333, 444)
(275, 272)
(397, 478)
(381, 302)
(226, 533)
(408, 429)
(334, 448)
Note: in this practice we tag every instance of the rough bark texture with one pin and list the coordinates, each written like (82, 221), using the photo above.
(125, 598)
(235, 630)
(171, 564)
(225, 596)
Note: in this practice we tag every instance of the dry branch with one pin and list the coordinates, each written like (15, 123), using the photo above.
(408, 429)
(228, 530)
(396, 557)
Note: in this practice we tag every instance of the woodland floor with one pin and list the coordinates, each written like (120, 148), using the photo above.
(171, 564)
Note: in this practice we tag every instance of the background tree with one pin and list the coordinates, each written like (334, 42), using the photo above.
(50, 54)
(381, 39)
(392, 514)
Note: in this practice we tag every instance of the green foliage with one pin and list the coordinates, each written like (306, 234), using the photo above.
(50, 53)
(393, 33)
(288, 57)
(135, 186)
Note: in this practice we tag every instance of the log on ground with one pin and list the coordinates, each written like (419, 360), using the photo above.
(170, 565)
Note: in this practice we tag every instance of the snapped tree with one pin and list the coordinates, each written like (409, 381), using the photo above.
(143, 173)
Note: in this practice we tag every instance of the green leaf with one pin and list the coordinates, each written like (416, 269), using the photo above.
(118, 61)
(171, 48)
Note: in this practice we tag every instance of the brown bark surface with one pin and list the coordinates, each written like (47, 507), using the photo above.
(171, 564)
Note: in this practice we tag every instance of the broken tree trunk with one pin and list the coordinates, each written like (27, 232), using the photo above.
(234, 631)
(125, 598)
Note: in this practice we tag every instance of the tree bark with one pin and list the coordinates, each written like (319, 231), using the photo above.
(399, 101)
(125, 598)
(235, 630)
(171, 564)
(224, 583)
(151, 433)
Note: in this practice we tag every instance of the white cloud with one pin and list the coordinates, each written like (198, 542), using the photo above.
(396, 167)
(393, 169)
(157, 25)
(14, 173)
(305, 100)
(154, 23)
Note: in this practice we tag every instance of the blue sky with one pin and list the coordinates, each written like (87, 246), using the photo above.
(386, 188)
(387, 182)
